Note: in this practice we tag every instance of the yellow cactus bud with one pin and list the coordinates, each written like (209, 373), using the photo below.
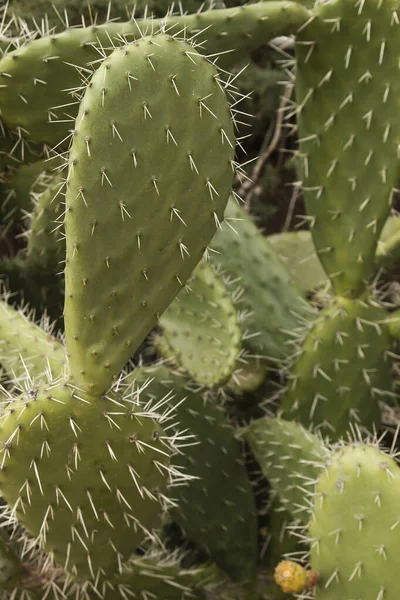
(291, 577)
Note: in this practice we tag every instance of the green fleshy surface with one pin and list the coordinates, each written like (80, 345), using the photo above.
(296, 250)
(348, 132)
(216, 511)
(155, 179)
(46, 246)
(343, 369)
(290, 457)
(201, 329)
(26, 349)
(83, 474)
(263, 286)
(162, 578)
(354, 530)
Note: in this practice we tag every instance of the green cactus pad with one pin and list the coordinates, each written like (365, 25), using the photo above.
(216, 511)
(27, 352)
(349, 131)
(296, 250)
(201, 329)
(150, 174)
(343, 368)
(23, 183)
(15, 150)
(42, 75)
(265, 292)
(16, 189)
(84, 475)
(290, 457)
(354, 531)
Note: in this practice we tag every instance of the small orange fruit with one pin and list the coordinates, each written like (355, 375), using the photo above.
(292, 578)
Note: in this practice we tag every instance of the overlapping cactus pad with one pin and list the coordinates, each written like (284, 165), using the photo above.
(223, 525)
(291, 457)
(201, 330)
(344, 368)
(85, 477)
(149, 177)
(40, 79)
(347, 102)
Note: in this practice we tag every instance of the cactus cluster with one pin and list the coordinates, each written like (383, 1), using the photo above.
(194, 406)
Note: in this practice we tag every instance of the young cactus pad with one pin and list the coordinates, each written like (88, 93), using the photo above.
(84, 476)
(343, 368)
(354, 531)
(201, 329)
(349, 131)
(290, 457)
(151, 169)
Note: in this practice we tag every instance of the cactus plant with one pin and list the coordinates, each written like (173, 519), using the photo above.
(92, 452)
(290, 457)
(104, 333)
(334, 382)
(348, 146)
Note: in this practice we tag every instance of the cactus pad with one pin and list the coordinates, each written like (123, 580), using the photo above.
(354, 532)
(216, 510)
(343, 369)
(27, 351)
(349, 131)
(162, 578)
(83, 475)
(296, 250)
(264, 289)
(201, 329)
(38, 81)
(290, 457)
(46, 247)
(150, 167)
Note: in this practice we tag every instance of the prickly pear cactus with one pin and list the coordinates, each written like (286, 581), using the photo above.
(290, 457)
(85, 476)
(200, 329)
(263, 287)
(354, 535)
(46, 247)
(344, 368)
(28, 351)
(347, 102)
(154, 123)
